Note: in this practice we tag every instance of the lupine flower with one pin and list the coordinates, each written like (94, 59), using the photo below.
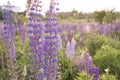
(50, 44)
(70, 49)
(23, 34)
(22, 30)
(116, 27)
(69, 36)
(94, 71)
(35, 37)
(84, 63)
(8, 39)
(73, 43)
(64, 38)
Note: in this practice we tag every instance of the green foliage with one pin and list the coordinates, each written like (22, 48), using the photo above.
(83, 76)
(2, 60)
(22, 53)
(107, 76)
(109, 17)
(99, 15)
(106, 16)
(19, 16)
(117, 15)
(75, 13)
(24, 19)
(1, 18)
(70, 19)
(106, 57)
(68, 71)
(94, 42)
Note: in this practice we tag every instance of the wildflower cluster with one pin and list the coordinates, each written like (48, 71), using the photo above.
(43, 47)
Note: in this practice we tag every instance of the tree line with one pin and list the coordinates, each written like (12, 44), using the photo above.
(103, 16)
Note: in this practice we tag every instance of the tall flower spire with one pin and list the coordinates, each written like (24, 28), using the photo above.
(51, 30)
(35, 37)
(8, 38)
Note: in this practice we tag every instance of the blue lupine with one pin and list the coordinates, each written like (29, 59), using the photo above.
(50, 44)
(8, 39)
(35, 37)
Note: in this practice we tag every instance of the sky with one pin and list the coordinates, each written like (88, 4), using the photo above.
(69, 5)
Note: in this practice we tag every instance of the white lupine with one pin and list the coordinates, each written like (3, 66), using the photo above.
(68, 55)
(70, 49)
(73, 43)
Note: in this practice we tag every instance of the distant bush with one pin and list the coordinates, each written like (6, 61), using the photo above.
(105, 16)
(94, 42)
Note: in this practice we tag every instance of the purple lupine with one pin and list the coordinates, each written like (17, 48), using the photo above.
(67, 32)
(116, 27)
(8, 39)
(84, 63)
(35, 37)
(50, 44)
(69, 36)
(100, 28)
(88, 60)
(94, 71)
(23, 34)
(21, 29)
(63, 37)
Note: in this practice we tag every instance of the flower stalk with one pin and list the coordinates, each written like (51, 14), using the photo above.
(8, 39)
(35, 37)
(51, 30)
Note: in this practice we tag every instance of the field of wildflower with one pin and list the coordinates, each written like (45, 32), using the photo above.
(37, 48)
